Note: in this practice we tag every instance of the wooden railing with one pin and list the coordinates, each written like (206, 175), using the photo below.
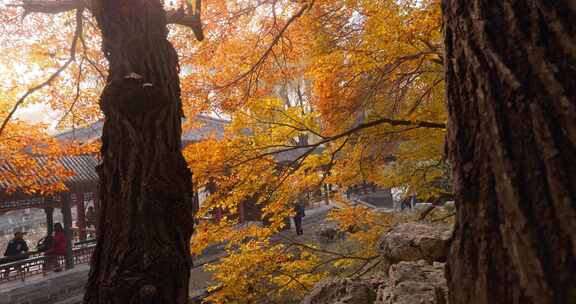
(36, 263)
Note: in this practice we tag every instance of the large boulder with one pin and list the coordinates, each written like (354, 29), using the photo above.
(405, 283)
(416, 241)
(413, 275)
(344, 291)
(414, 283)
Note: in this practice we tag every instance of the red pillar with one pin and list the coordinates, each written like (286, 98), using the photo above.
(81, 216)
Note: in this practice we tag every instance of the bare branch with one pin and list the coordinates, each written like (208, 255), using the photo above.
(362, 270)
(326, 251)
(362, 126)
(190, 19)
(76, 97)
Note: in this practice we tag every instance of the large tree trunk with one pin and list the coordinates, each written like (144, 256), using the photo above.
(511, 88)
(145, 225)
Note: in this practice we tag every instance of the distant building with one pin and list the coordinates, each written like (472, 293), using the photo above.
(203, 128)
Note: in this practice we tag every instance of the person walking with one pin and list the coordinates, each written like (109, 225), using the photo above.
(58, 249)
(299, 209)
(348, 193)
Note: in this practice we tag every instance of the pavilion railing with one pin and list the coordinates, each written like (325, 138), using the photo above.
(38, 264)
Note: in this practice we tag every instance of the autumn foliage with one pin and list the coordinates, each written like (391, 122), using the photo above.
(352, 91)
(317, 92)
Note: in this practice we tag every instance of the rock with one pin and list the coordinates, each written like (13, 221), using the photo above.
(449, 206)
(344, 291)
(422, 206)
(413, 275)
(329, 233)
(414, 283)
(406, 283)
(416, 241)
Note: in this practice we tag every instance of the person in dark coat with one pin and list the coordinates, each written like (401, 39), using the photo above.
(17, 247)
(91, 217)
(299, 209)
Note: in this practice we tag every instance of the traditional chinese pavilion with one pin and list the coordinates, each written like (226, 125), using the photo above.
(82, 186)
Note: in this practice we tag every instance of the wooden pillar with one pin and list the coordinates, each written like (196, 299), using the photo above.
(218, 214)
(97, 210)
(241, 213)
(81, 216)
(49, 220)
(196, 202)
(67, 215)
(96, 203)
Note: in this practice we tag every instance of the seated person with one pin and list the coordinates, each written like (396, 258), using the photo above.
(44, 243)
(59, 246)
(17, 247)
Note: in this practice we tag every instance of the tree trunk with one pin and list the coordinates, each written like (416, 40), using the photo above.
(511, 88)
(145, 221)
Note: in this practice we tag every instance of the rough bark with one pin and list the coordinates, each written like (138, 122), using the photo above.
(145, 222)
(511, 88)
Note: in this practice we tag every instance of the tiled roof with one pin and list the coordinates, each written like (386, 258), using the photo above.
(84, 167)
(206, 127)
(84, 179)
(84, 134)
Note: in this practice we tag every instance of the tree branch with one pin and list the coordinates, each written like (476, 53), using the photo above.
(76, 96)
(362, 126)
(52, 7)
(260, 61)
(55, 75)
(326, 251)
(190, 19)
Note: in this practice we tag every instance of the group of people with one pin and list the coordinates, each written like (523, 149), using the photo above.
(408, 203)
(53, 246)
